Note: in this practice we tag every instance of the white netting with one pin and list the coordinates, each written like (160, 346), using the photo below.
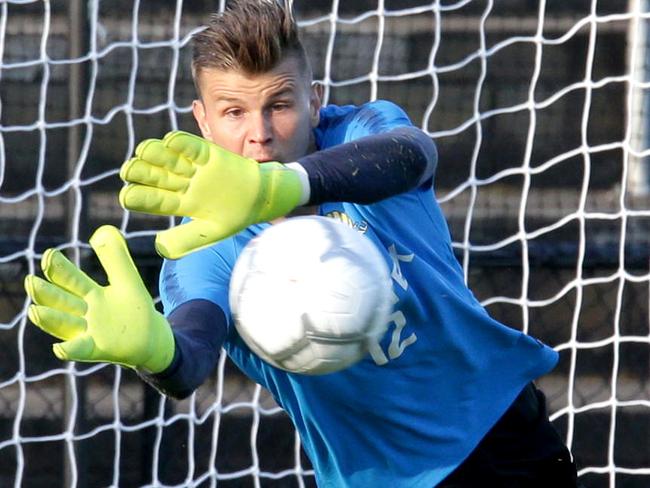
(539, 113)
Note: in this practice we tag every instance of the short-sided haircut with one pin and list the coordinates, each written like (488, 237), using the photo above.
(251, 36)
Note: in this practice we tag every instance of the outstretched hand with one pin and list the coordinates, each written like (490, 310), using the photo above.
(117, 323)
(222, 192)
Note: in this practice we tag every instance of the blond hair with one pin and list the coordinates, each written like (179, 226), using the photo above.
(252, 36)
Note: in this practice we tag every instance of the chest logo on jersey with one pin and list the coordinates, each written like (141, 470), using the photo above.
(361, 225)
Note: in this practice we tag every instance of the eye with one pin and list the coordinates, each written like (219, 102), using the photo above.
(234, 113)
(279, 106)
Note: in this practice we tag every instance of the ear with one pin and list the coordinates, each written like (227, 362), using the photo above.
(198, 110)
(315, 103)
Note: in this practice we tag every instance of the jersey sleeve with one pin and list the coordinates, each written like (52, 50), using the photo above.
(346, 124)
(382, 116)
(376, 118)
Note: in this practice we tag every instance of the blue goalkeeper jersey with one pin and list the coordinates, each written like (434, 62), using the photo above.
(415, 407)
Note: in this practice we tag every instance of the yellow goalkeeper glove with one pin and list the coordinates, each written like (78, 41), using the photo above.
(117, 323)
(222, 192)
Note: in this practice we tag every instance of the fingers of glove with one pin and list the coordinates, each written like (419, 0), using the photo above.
(42, 292)
(78, 349)
(150, 200)
(183, 239)
(55, 322)
(156, 153)
(112, 252)
(192, 147)
(60, 271)
(140, 171)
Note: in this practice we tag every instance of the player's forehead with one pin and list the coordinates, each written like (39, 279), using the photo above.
(287, 75)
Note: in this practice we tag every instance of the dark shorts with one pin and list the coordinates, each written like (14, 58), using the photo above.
(522, 450)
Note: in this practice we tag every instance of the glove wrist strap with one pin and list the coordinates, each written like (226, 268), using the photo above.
(281, 191)
(304, 182)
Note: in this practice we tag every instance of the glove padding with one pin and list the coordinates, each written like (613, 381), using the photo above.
(117, 323)
(223, 193)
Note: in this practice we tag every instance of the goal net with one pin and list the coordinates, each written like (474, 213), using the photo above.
(540, 111)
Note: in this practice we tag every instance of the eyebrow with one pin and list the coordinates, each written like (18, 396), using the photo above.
(223, 98)
(281, 92)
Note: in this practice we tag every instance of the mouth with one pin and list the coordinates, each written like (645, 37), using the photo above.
(266, 159)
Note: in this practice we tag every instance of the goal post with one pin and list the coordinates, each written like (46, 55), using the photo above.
(540, 114)
(639, 102)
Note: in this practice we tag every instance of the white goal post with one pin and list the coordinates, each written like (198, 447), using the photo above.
(539, 111)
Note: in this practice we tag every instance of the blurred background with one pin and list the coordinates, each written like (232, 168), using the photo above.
(539, 111)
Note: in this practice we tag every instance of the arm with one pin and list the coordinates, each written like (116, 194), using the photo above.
(371, 168)
(119, 324)
(223, 193)
(116, 323)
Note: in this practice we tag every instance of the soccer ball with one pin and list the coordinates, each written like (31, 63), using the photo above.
(309, 294)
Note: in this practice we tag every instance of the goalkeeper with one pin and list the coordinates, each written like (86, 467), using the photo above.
(445, 399)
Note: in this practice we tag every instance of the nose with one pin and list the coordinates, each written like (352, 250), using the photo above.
(260, 130)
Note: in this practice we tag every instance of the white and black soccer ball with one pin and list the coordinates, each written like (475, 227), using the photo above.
(309, 294)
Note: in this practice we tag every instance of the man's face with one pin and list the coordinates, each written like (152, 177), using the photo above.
(265, 117)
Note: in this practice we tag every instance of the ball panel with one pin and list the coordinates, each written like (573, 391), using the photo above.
(264, 308)
(322, 358)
